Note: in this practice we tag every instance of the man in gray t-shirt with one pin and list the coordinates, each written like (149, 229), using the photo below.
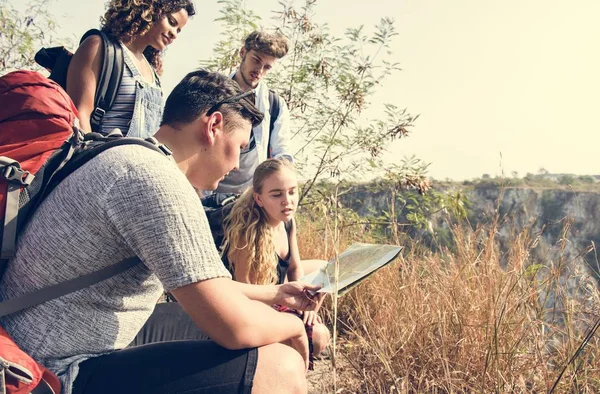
(131, 201)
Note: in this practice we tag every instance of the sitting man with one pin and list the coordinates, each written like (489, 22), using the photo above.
(131, 201)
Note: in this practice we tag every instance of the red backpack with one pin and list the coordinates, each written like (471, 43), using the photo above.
(40, 144)
(36, 118)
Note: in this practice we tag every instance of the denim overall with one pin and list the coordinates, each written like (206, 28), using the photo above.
(148, 109)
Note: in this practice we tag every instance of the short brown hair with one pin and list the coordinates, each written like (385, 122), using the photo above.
(199, 91)
(272, 44)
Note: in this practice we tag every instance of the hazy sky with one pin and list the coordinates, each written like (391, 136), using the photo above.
(507, 85)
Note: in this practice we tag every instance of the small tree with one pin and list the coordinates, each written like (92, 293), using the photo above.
(567, 180)
(327, 83)
(587, 179)
(22, 34)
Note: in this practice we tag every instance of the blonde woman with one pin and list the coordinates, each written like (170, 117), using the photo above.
(260, 244)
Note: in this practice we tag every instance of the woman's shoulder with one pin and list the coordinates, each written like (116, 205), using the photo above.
(89, 46)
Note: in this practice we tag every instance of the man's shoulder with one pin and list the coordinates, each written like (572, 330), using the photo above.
(131, 155)
(273, 96)
(124, 165)
(265, 91)
(268, 92)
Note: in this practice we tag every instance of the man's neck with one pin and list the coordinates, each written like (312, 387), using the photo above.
(237, 77)
(174, 140)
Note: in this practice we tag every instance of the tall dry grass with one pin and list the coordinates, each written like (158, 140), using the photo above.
(462, 322)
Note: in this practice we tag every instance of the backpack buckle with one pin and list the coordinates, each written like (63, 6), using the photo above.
(165, 149)
(14, 173)
(98, 114)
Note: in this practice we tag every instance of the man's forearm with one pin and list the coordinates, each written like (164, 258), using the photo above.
(294, 295)
(264, 325)
(233, 320)
(263, 293)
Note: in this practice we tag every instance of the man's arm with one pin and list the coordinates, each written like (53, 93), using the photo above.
(281, 134)
(294, 295)
(234, 321)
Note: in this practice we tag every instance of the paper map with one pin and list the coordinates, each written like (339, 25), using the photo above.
(356, 263)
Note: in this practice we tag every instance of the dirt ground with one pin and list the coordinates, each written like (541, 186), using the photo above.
(321, 379)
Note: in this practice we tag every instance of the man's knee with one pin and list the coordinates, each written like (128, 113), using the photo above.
(280, 369)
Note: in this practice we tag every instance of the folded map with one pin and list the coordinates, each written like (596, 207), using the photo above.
(355, 264)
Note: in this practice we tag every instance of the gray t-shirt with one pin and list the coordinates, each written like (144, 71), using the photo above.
(127, 201)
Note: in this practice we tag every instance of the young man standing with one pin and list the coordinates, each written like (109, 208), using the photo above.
(259, 55)
(131, 201)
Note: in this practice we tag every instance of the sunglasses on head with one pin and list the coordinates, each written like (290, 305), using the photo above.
(229, 100)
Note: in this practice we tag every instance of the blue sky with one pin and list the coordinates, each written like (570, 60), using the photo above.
(501, 86)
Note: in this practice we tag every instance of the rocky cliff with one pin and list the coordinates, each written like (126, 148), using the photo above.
(566, 223)
(562, 226)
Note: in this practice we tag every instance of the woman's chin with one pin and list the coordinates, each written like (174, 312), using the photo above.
(286, 216)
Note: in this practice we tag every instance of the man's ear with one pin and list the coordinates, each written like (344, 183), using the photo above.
(214, 127)
(243, 52)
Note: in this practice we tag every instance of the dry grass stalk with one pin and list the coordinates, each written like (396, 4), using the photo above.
(462, 322)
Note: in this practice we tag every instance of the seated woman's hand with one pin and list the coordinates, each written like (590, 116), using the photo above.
(311, 318)
(299, 296)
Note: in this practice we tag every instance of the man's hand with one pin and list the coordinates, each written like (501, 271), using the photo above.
(300, 344)
(299, 296)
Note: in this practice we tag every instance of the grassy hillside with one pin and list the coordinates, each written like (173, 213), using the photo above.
(470, 318)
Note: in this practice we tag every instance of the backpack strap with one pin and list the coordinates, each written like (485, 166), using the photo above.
(66, 167)
(64, 288)
(93, 145)
(43, 388)
(16, 177)
(274, 114)
(111, 75)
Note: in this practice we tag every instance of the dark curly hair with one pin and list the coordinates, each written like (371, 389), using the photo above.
(126, 20)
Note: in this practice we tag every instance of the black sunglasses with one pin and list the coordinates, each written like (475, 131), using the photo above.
(229, 100)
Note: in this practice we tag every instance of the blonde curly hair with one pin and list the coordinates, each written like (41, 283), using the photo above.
(127, 20)
(246, 227)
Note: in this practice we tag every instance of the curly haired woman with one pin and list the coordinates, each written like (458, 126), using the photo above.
(260, 230)
(144, 29)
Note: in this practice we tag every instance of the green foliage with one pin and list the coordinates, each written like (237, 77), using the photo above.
(398, 206)
(543, 179)
(532, 270)
(587, 179)
(23, 33)
(411, 173)
(238, 22)
(327, 82)
(456, 204)
(566, 180)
